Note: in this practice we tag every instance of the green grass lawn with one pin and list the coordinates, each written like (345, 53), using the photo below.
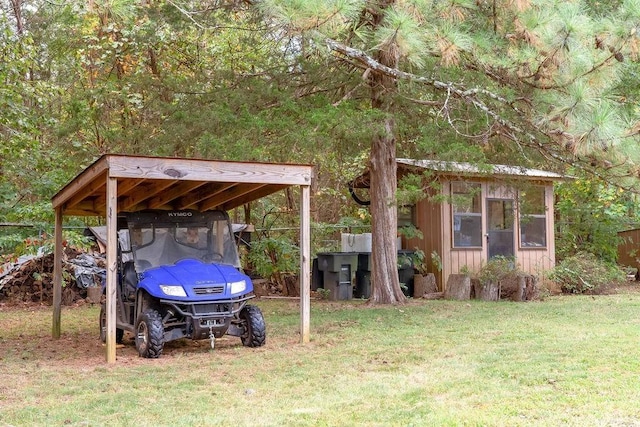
(562, 361)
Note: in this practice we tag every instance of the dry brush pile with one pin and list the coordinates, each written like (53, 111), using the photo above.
(32, 281)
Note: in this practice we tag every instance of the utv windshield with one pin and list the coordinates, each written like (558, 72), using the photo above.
(157, 240)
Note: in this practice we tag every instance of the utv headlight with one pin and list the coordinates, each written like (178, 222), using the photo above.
(173, 290)
(237, 287)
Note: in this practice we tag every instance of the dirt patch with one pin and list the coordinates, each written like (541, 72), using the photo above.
(621, 288)
(80, 348)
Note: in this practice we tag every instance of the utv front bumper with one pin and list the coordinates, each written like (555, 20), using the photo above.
(198, 320)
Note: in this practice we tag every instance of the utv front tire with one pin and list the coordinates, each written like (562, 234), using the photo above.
(255, 331)
(103, 327)
(149, 334)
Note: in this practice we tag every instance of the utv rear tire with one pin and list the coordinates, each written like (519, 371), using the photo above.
(255, 331)
(103, 327)
(149, 334)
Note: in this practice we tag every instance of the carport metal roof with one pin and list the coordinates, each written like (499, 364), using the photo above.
(119, 183)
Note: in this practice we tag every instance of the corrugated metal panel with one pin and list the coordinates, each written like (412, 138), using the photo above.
(486, 170)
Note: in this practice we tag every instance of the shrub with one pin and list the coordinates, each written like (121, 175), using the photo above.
(585, 273)
(323, 293)
(25, 243)
(274, 258)
(497, 269)
(590, 213)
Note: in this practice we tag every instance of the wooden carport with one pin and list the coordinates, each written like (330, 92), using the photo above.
(119, 183)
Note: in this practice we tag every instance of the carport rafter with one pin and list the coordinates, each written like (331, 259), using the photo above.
(116, 182)
(178, 190)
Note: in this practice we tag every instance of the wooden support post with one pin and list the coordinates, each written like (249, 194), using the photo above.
(112, 241)
(305, 254)
(57, 275)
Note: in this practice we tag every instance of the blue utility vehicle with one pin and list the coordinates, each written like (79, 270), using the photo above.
(179, 276)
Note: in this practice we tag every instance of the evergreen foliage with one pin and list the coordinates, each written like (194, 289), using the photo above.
(546, 83)
(590, 213)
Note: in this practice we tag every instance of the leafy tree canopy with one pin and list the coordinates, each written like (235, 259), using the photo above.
(542, 83)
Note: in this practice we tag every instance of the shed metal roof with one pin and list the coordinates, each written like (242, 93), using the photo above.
(463, 169)
(474, 169)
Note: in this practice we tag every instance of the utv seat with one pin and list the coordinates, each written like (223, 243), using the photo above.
(130, 280)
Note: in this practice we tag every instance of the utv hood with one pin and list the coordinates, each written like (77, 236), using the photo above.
(200, 281)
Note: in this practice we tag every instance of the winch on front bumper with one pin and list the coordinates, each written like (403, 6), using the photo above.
(201, 320)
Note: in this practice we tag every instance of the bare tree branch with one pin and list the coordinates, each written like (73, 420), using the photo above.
(187, 14)
(509, 130)
(469, 95)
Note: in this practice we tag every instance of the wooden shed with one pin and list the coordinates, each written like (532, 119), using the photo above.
(474, 213)
(118, 183)
(629, 248)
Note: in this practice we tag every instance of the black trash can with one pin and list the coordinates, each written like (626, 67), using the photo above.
(405, 271)
(363, 284)
(316, 275)
(337, 273)
(363, 276)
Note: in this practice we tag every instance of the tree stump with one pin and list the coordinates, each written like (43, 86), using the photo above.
(513, 288)
(291, 286)
(523, 287)
(531, 289)
(458, 287)
(489, 291)
(423, 285)
(94, 293)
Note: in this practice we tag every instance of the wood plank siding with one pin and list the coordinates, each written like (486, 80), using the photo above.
(428, 219)
(485, 220)
(435, 221)
(629, 248)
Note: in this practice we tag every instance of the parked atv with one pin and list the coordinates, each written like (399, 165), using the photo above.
(179, 276)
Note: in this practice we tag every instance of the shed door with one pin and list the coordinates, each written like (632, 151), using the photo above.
(500, 235)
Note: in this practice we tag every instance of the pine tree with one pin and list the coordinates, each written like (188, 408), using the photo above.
(539, 75)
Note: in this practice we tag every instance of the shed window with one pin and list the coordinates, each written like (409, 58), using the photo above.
(533, 218)
(406, 216)
(467, 214)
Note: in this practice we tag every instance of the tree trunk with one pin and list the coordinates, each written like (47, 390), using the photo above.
(384, 220)
(384, 254)
(17, 13)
